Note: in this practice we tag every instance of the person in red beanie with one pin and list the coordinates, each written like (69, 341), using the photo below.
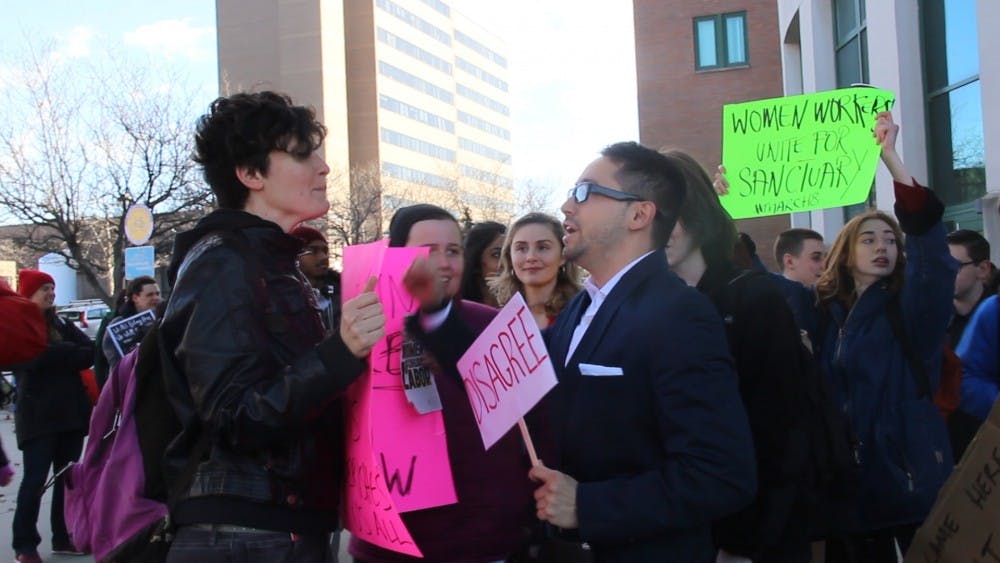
(314, 262)
(53, 412)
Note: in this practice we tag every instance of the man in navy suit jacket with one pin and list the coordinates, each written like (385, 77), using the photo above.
(652, 440)
(653, 443)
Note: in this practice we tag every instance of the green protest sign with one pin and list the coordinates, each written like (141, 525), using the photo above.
(798, 153)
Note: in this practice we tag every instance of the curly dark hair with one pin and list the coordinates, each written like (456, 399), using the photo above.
(241, 131)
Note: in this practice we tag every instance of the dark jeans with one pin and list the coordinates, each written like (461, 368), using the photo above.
(38, 455)
(196, 545)
(871, 547)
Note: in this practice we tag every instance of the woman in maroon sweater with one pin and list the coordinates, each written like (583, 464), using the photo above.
(495, 505)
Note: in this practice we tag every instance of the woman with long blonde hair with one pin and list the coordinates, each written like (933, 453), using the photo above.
(532, 264)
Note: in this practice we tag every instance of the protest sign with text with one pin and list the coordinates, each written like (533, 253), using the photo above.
(397, 459)
(798, 153)
(506, 371)
(126, 333)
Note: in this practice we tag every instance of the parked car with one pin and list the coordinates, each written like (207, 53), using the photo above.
(85, 314)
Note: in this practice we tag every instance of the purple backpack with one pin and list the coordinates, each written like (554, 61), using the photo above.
(106, 509)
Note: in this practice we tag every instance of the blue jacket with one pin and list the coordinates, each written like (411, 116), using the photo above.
(663, 448)
(903, 443)
(980, 353)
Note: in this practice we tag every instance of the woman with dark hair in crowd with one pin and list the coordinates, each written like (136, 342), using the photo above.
(489, 522)
(532, 264)
(482, 261)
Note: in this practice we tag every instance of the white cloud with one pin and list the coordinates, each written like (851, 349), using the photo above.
(173, 38)
(75, 44)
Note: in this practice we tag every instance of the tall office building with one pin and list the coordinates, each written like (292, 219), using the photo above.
(415, 96)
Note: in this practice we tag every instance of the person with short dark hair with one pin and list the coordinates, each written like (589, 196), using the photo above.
(250, 372)
(972, 251)
(141, 294)
(800, 255)
(652, 442)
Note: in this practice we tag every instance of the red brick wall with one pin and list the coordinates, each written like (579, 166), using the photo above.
(680, 107)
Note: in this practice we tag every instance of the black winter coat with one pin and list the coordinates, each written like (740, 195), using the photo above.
(764, 340)
(252, 371)
(50, 394)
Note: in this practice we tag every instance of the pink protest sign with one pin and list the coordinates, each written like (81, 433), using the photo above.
(411, 448)
(361, 261)
(506, 371)
(397, 460)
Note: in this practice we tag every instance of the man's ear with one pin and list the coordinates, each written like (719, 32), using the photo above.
(252, 179)
(983, 271)
(642, 214)
(787, 259)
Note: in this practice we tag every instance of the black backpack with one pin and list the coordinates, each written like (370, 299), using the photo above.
(833, 469)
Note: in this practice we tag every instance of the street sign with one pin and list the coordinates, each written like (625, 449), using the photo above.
(138, 224)
(139, 261)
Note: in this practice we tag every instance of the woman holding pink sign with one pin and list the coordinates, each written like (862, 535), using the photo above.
(532, 264)
(495, 504)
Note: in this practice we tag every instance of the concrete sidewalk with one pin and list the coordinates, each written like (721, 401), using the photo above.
(8, 499)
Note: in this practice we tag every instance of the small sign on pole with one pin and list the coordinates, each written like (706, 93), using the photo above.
(139, 261)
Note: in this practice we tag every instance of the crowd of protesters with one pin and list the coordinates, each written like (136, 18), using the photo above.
(681, 425)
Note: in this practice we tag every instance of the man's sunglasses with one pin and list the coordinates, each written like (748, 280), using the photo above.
(582, 191)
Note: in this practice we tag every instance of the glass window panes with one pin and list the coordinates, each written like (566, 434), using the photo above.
(951, 42)
(705, 37)
(848, 18)
(735, 39)
(956, 140)
(849, 63)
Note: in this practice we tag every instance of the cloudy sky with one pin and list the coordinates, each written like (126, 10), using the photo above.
(572, 63)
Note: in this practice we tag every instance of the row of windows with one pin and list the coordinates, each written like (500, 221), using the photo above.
(480, 48)
(480, 73)
(416, 52)
(414, 20)
(415, 82)
(439, 6)
(417, 176)
(482, 99)
(485, 201)
(418, 145)
(484, 176)
(416, 113)
(480, 149)
(483, 125)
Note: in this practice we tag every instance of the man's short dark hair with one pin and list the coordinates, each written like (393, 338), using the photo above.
(976, 246)
(790, 242)
(135, 286)
(241, 131)
(653, 177)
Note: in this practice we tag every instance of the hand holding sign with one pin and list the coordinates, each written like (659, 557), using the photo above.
(362, 322)
(555, 499)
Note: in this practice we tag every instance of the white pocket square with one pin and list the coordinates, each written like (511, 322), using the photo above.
(600, 371)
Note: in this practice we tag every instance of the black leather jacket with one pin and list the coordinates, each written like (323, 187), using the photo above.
(251, 369)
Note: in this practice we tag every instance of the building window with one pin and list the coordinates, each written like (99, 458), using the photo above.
(415, 113)
(954, 107)
(485, 177)
(483, 150)
(480, 48)
(400, 75)
(414, 51)
(720, 41)
(483, 125)
(850, 32)
(481, 99)
(415, 21)
(480, 74)
(417, 145)
(418, 176)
